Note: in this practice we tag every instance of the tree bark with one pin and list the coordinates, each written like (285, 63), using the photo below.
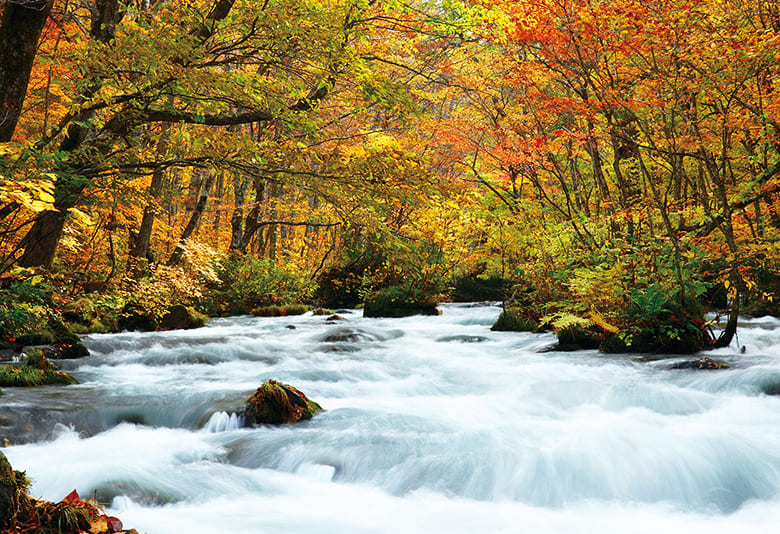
(20, 30)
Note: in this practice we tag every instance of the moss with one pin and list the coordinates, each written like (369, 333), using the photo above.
(514, 319)
(277, 403)
(322, 311)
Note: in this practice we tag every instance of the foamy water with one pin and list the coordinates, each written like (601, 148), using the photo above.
(432, 424)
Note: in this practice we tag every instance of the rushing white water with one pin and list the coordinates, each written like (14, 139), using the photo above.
(432, 424)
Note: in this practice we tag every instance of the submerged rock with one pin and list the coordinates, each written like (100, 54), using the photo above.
(276, 403)
(699, 363)
(462, 339)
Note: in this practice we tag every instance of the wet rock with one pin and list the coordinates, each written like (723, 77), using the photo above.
(699, 363)
(334, 318)
(347, 335)
(321, 311)
(65, 351)
(276, 403)
(770, 388)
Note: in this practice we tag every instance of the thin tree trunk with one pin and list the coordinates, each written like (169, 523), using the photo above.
(237, 220)
(140, 248)
(194, 220)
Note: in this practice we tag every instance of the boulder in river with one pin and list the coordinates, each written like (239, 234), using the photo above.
(36, 370)
(180, 317)
(275, 403)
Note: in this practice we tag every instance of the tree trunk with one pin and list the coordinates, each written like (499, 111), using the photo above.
(40, 243)
(237, 220)
(194, 220)
(140, 248)
(20, 30)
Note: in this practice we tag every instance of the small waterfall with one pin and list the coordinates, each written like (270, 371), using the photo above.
(223, 422)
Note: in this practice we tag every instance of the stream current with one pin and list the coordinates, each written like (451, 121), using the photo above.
(431, 425)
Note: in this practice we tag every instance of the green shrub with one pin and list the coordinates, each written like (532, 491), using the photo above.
(246, 283)
(515, 319)
(399, 301)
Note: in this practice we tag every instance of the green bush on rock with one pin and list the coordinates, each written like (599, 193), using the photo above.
(275, 403)
(514, 319)
(399, 301)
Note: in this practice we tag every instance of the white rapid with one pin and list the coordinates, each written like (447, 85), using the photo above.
(432, 425)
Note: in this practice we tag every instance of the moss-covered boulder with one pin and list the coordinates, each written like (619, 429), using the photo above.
(135, 319)
(275, 403)
(515, 319)
(180, 317)
(36, 370)
(397, 301)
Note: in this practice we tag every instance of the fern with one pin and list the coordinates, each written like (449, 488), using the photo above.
(563, 320)
(600, 321)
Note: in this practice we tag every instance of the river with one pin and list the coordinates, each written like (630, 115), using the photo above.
(431, 425)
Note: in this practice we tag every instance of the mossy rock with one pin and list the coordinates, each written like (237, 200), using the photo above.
(13, 493)
(30, 376)
(135, 319)
(275, 403)
(180, 317)
(514, 319)
(322, 311)
(577, 337)
(280, 310)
